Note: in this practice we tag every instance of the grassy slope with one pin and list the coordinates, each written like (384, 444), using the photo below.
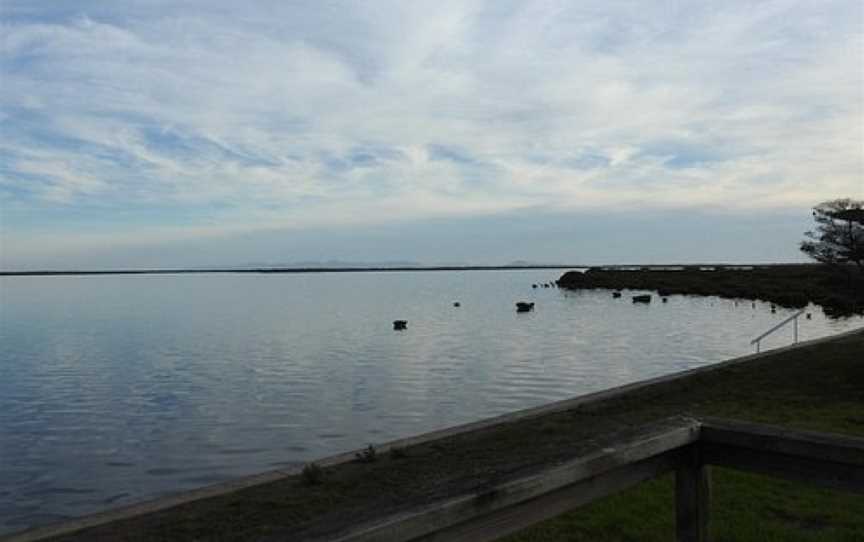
(819, 387)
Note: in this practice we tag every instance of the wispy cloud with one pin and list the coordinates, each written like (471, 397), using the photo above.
(307, 113)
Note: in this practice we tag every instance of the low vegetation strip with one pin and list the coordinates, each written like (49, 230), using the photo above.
(838, 289)
(817, 386)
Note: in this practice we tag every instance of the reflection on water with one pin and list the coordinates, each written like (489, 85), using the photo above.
(116, 389)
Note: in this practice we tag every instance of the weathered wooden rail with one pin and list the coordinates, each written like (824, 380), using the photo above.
(684, 445)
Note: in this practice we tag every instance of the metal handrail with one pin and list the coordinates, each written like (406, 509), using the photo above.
(757, 340)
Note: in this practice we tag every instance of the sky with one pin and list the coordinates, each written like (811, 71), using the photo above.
(172, 134)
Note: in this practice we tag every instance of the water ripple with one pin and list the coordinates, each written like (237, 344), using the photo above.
(118, 389)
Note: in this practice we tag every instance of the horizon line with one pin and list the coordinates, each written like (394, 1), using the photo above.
(360, 269)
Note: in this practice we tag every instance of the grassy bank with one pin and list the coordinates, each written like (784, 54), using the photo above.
(839, 291)
(817, 387)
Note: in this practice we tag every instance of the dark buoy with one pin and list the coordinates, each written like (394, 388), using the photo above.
(457, 304)
(665, 300)
(646, 298)
(533, 285)
(545, 285)
(616, 295)
(809, 316)
(400, 324)
(523, 306)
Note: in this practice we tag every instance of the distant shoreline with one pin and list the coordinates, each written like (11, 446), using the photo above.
(840, 292)
(284, 270)
(49, 272)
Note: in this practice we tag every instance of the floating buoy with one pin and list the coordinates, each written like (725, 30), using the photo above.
(523, 306)
(665, 300)
(646, 298)
(533, 285)
(400, 324)
(809, 316)
(616, 295)
(457, 304)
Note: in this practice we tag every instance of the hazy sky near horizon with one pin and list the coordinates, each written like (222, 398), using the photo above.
(167, 133)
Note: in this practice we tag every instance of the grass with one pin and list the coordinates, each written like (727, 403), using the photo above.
(817, 387)
(840, 291)
(398, 452)
(745, 507)
(312, 474)
(367, 455)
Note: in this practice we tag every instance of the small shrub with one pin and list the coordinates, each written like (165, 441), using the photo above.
(312, 475)
(367, 455)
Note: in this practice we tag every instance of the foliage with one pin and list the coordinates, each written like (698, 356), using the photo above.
(367, 455)
(838, 237)
(312, 475)
(837, 289)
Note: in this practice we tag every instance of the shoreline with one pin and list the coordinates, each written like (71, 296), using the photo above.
(279, 270)
(245, 488)
(379, 269)
(839, 291)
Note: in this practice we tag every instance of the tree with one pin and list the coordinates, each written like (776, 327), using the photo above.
(838, 238)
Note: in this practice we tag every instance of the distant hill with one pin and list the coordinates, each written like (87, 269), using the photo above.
(527, 263)
(315, 264)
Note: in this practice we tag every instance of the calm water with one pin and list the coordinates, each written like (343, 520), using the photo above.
(116, 389)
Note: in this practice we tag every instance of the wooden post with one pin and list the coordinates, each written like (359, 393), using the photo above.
(796, 330)
(692, 497)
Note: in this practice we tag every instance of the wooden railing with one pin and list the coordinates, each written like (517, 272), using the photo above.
(684, 445)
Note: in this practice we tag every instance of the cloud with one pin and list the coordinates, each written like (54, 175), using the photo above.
(307, 114)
